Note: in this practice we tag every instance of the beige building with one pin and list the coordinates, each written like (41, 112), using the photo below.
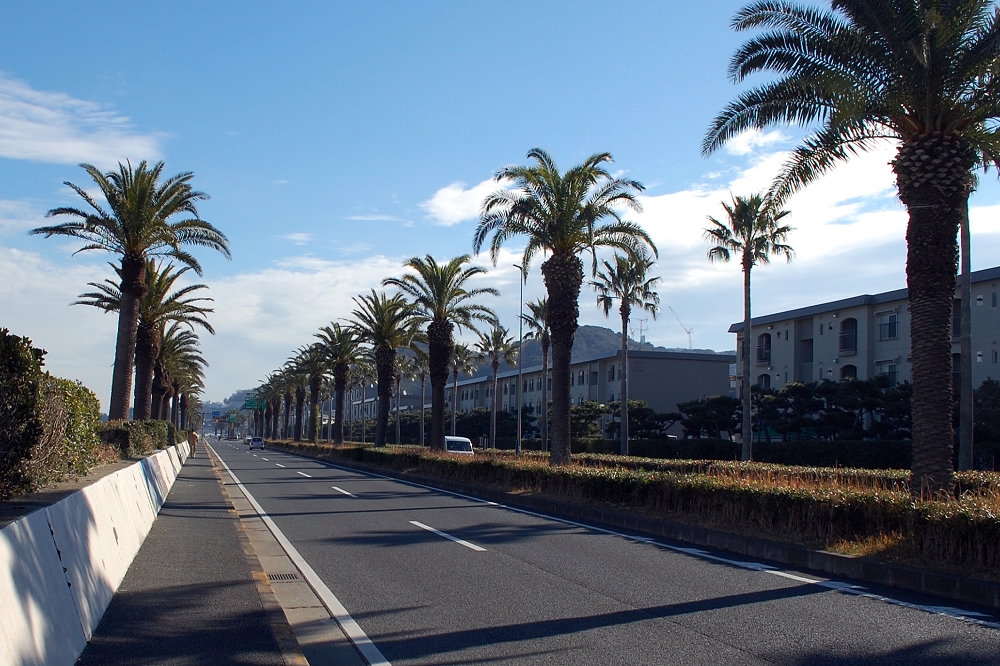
(662, 379)
(864, 336)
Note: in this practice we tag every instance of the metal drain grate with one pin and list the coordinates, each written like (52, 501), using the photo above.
(284, 576)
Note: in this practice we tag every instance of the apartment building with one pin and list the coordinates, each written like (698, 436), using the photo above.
(864, 336)
(662, 379)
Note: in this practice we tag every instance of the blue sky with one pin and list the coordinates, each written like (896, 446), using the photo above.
(338, 139)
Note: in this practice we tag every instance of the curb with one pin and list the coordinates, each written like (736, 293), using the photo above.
(950, 586)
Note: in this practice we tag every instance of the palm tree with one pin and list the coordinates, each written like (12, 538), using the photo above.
(562, 215)
(136, 226)
(628, 282)
(387, 324)
(298, 382)
(405, 369)
(751, 231)
(497, 345)
(463, 362)
(183, 368)
(364, 372)
(921, 75)
(157, 306)
(442, 301)
(537, 321)
(340, 346)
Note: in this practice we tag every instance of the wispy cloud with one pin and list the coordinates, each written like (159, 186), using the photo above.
(752, 140)
(299, 238)
(281, 181)
(381, 218)
(455, 203)
(55, 127)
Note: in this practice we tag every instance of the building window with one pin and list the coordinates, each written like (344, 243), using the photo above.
(524, 389)
(548, 383)
(611, 397)
(888, 370)
(994, 298)
(764, 348)
(786, 334)
(582, 379)
(531, 384)
(849, 336)
(979, 357)
(505, 389)
(849, 372)
(888, 328)
(764, 381)
(995, 357)
(611, 374)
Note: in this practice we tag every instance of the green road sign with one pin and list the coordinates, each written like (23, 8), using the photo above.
(251, 403)
(232, 418)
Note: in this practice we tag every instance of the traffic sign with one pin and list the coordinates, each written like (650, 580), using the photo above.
(216, 413)
(251, 403)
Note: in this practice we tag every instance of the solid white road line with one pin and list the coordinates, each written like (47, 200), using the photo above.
(448, 536)
(964, 615)
(341, 490)
(279, 464)
(357, 636)
(304, 474)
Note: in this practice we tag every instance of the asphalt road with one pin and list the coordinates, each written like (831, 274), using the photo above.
(527, 589)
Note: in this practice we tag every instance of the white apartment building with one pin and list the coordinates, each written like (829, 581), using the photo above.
(864, 336)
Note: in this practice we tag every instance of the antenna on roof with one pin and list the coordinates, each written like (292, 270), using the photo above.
(686, 329)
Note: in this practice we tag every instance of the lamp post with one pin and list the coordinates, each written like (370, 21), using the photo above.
(520, 355)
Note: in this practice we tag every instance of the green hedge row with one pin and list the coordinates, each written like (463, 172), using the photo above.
(139, 438)
(963, 532)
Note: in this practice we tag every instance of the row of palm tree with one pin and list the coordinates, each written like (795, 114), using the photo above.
(146, 218)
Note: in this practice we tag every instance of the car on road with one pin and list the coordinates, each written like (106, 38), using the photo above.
(256, 443)
(460, 445)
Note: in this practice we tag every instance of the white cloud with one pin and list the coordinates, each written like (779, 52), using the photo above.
(55, 127)
(454, 203)
(749, 141)
(381, 218)
(299, 238)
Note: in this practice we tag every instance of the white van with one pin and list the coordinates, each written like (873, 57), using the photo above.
(460, 445)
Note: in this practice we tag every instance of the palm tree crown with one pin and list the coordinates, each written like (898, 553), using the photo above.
(495, 346)
(340, 345)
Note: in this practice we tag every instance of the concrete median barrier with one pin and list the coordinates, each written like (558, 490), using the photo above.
(60, 566)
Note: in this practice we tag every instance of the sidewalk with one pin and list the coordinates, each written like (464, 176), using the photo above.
(189, 596)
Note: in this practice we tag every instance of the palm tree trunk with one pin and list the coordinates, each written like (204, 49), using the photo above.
(563, 277)
(423, 383)
(385, 359)
(493, 407)
(340, 388)
(288, 413)
(133, 287)
(933, 176)
(747, 429)
(454, 400)
(315, 386)
(158, 391)
(965, 391)
(175, 408)
(399, 381)
(182, 423)
(364, 416)
(440, 347)
(545, 394)
(626, 311)
(146, 351)
(300, 406)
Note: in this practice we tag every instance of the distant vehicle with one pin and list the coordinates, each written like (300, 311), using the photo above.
(256, 443)
(460, 445)
(247, 439)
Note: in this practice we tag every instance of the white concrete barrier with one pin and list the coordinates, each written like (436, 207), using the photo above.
(60, 566)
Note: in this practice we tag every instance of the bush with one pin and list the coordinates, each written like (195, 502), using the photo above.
(20, 425)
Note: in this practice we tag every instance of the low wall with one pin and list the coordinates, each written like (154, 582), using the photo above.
(60, 566)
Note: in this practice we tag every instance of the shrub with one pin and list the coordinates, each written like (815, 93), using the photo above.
(20, 425)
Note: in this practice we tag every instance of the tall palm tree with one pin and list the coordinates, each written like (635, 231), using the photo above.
(463, 362)
(183, 368)
(387, 324)
(298, 383)
(405, 369)
(628, 282)
(157, 306)
(921, 74)
(562, 215)
(137, 225)
(364, 372)
(752, 232)
(443, 301)
(496, 346)
(537, 321)
(340, 346)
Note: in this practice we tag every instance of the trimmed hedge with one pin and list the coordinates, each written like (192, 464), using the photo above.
(139, 438)
(760, 501)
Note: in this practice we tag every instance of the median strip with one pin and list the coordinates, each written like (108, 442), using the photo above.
(341, 490)
(471, 546)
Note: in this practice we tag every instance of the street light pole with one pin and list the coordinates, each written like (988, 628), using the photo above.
(520, 357)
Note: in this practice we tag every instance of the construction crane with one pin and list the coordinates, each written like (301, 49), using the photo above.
(685, 328)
